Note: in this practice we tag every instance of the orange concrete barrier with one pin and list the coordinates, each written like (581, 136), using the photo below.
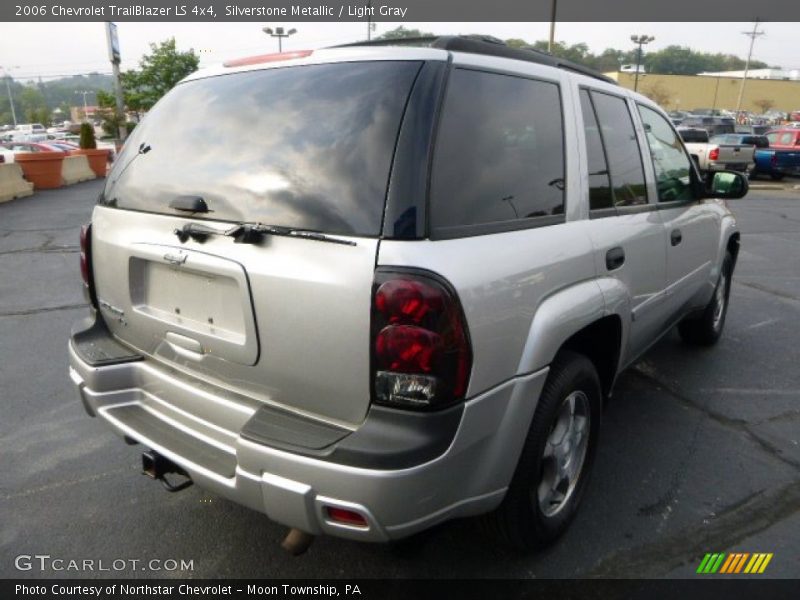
(42, 169)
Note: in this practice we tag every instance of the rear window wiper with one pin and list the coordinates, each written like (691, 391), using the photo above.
(252, 233)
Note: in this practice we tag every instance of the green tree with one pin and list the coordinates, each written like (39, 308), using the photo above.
(107, 102)
(34, 105)
(681, 60)
(516, 43)
(578, 53)
(158, 73)
(399, 33)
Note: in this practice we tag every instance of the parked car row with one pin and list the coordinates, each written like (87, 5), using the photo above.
(775, 154)
(9, 149)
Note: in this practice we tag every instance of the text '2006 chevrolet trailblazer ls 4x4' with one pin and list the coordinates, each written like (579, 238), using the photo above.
(376, 288)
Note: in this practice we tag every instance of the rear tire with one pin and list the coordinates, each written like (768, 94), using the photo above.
(556, 460)
(706, 329)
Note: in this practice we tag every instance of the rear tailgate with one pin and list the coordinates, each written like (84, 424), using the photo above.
(735, 156)
(292, 329)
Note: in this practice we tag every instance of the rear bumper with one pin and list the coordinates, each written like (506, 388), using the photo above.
(742, 167)
(154, 406)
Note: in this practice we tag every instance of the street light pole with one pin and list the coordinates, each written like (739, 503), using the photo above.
(10, 97)
(639, 40)
(279, 33)
(85, 107)
(552, 39)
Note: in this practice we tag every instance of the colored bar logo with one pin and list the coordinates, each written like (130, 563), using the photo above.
(736, 562)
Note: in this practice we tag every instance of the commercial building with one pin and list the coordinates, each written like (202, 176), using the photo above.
(686, 92)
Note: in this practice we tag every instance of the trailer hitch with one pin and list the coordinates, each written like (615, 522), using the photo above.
(157, 467)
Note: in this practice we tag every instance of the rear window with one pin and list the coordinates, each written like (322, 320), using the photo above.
(693, 136)
(306, 147)
(499, 157)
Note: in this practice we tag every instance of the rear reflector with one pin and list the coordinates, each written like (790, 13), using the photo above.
(346, 517)
(267, 58)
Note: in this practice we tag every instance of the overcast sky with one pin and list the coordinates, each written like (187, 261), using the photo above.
(30, 50)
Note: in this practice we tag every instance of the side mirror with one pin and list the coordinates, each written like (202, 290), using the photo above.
(728, 185)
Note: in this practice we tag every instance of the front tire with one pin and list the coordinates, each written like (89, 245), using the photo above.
(706, 329)
(554, 466)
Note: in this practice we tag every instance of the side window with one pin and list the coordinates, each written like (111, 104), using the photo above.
(622, 150)
(671, 164)
(773, 139)
(599, 182)
(786, 139)
(499, 155)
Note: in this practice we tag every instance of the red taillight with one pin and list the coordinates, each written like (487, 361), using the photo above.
(774, 159)
(86, 261)
(408, 349)
(713, 154)
(347, 517)
(421, 355)
(267, 58)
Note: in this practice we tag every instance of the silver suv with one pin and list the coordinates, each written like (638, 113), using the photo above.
(368, 289)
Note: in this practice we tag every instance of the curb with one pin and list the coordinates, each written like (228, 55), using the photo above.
(768, 186)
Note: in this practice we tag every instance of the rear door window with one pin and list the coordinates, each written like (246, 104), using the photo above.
(600, 195)
(622, 149)
(306, 147)
(499, 157)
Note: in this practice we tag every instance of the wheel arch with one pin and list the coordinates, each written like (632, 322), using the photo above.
(579, 318)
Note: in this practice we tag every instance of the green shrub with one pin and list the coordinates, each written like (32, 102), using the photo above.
(87, 141)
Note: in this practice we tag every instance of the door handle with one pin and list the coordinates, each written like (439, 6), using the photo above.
(615, 258)
(675, 237)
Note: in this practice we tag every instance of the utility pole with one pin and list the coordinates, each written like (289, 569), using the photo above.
(752, 35)
(552, 39)
(114, 56)
(10, 97)
(639, 40)
(279, 33)
(370, 24)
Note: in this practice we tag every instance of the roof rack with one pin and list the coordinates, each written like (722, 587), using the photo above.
(488, 45)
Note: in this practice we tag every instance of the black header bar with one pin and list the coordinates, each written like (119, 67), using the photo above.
(400, 10)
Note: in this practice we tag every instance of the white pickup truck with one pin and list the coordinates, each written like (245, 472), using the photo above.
(716, 157)
(27, 132)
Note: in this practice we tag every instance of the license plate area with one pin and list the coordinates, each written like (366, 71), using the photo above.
(200, 297)
(192, 300)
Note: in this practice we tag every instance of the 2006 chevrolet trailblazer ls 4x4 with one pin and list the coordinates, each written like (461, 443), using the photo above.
(375, 288)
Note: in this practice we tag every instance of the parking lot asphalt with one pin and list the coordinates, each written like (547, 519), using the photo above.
(700, 449)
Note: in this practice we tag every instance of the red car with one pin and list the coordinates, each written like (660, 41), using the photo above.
(31, 147)
(784, 138)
